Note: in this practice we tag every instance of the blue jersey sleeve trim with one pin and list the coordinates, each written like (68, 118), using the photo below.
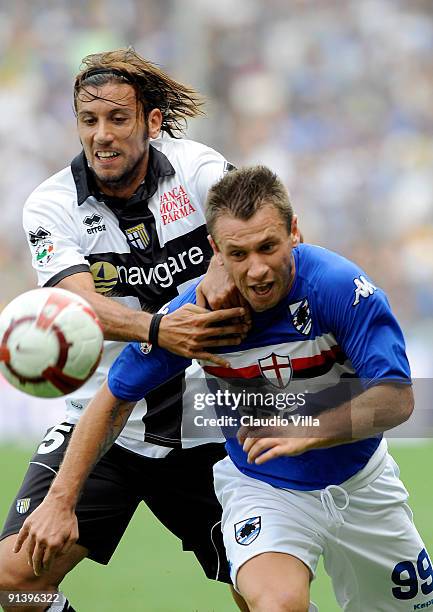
(386, 380)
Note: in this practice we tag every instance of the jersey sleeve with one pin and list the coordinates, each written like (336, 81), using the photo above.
(53, 239)
(134, 373)
(210, 166)
(365, 328)
(141, 368)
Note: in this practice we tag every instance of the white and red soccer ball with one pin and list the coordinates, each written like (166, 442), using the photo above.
(50, 342)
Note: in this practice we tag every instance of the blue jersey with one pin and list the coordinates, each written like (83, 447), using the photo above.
(333, 326)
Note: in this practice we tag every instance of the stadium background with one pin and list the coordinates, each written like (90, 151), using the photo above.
(336, 96)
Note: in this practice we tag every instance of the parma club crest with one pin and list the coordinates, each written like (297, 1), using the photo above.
(137, 236)
(23, 505)
(248, 530)
(301, 316)
(277, 370)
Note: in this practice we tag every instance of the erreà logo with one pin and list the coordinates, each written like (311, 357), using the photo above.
(93, 224)
(174, 205)
(95, 219)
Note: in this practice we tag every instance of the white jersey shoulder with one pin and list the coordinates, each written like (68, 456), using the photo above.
(58, 191)
(52, 227)
(185, 152)
(180, 200)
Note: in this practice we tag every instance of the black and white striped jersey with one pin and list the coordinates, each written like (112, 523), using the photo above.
(141, 252)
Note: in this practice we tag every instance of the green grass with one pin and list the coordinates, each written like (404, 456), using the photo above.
(150, 573)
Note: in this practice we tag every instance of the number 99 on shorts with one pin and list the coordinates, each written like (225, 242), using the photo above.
(413, 579)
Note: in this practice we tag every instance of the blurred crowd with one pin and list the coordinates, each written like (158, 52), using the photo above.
(336, 96)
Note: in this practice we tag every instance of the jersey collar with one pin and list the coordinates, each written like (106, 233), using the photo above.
(159, 166)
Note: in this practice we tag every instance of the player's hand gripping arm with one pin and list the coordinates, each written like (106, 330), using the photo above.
(217, 289)
(185, 332)
(52, 528)
(374, 411)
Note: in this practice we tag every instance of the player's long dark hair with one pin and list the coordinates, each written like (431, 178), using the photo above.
(153, 87)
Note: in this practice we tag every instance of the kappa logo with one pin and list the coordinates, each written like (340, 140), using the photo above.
(137, 236)
(277, 369)
(301, 316)
(247, 531)
(423, 606)
(38, 235)
(23, 505)
(174, 205)
(363, 289)
(93, 224)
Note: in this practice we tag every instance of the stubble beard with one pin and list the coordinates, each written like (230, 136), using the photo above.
(129, 175)
(122, 180)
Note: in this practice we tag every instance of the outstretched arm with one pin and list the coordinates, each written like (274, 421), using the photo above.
(52, 528)
(186, 331)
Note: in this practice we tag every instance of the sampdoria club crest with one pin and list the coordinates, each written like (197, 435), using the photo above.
(246, 531)
(301, 316)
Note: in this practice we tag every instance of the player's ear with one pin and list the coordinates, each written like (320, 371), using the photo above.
(215, 249)
(154, 122)
(295, 234)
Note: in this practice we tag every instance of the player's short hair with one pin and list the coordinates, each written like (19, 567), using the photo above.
(241, 193)
(153, 87)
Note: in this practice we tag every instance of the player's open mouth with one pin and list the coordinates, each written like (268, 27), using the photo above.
(106, 155)
(262, 289)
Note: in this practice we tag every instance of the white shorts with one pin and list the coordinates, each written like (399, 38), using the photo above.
(364, 529)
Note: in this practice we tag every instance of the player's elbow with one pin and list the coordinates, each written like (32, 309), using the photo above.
(406, 402)
(397, 404)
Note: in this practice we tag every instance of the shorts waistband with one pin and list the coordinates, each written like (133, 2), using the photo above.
(370, 471)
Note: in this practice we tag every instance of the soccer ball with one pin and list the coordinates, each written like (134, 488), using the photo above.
(50, 342)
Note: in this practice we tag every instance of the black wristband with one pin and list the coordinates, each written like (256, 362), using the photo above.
(154, 328)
